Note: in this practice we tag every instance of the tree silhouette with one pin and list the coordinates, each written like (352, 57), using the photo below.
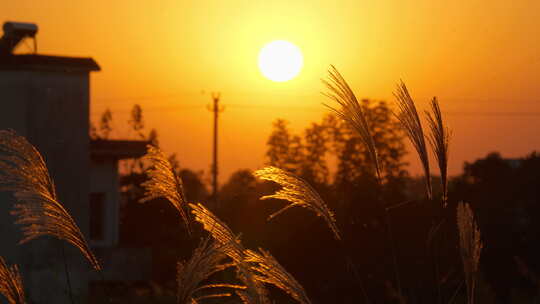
(136, 121)
(353, 159)
(314, 166)
(105, 124)
(284, 150)
(504, 194)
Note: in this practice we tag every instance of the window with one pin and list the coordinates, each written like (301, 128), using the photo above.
(97, 216)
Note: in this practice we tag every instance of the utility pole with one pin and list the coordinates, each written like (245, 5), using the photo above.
(216, 109)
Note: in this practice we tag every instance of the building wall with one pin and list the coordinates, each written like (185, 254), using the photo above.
(104, 179)
(51, 109)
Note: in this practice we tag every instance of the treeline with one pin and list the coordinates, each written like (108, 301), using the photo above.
(502, 192)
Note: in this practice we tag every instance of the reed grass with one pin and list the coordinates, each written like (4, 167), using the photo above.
(23, 171)
(11, 285)
(299, 193)
(268, 270)
(351, 111)
(164, 182)
(207, 259)
(254, 293)
(439, 138)
(470, 245)
(409, 119)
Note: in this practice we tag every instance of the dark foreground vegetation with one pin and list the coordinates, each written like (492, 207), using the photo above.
(368, 233)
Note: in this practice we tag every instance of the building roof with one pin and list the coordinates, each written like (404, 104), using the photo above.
(48, 63)
(117, 149)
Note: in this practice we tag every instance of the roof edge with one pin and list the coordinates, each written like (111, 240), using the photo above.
(47, 62)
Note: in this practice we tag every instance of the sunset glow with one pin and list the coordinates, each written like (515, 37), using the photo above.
(270, 151)
(477, 59)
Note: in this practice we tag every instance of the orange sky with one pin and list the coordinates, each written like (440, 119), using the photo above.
(479, 57)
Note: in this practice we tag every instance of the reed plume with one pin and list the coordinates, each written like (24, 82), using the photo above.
(207, 259)
(351, 111)
(24, 172)
(11, 286)
(219, 231)
(470, 246)
(254, 293)
(164, 182)
(268, 270)
(299, 193)
(439, 139)
(409, 119)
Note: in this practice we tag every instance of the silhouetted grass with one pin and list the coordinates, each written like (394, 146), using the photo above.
(439, 139)
(470, 245)
(409, 119)
(351, 111)
(23, 171)
(11, 286)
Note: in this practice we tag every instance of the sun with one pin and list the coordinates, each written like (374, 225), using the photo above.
(280, 60)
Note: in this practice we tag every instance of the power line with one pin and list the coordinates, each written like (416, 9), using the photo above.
(160, 109)
(485, 113)
(323, 109)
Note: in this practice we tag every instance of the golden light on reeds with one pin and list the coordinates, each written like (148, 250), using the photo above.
(24, 172)
(267, 269)
(164, 182)
(299, 193)
(207, 259)
(219, 230)
(255, 293)
(11, 285)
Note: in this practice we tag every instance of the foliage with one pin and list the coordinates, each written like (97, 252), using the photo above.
(354, 164)
(369, 150)
(314, 167)
(105, 124)
(136, 121)
(354, 179)
(505, 193)
(285, 150)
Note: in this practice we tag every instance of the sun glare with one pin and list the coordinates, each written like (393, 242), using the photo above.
(280, 60)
